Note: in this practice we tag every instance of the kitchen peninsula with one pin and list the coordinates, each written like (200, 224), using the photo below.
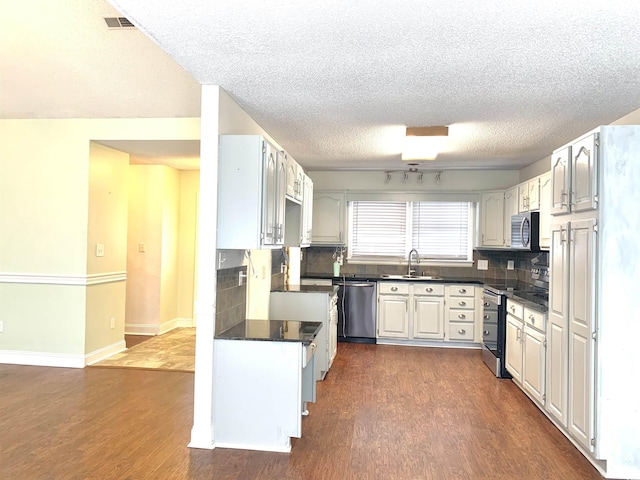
(263, 378)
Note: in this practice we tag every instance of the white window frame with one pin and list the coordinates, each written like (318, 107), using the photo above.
(393, 260)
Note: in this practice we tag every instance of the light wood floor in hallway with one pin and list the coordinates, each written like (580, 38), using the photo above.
(383, 412)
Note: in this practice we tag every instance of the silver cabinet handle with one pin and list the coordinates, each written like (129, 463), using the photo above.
(487, 304)
(532, 318)
(462, 331)
(429, 289)
(462, 303)
(513, 309)
(487, 317)
(394, 289)
(462, 315)
(486, 332)
(462, 290)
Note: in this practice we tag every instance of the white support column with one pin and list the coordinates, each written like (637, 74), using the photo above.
(202, 432)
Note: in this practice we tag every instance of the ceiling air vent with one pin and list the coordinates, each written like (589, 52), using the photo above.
(118, 22)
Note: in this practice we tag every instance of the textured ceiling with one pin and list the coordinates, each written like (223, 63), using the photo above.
(336, 82)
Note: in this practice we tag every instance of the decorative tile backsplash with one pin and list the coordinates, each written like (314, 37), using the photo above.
(231, 307)
(319, 261)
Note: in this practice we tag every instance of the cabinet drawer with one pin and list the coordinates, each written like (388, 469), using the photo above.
(461, 303)
(428, 289)
(461, 290)
(461, 331)
(535, 319)
(458, 315)
(514, 308)
(393, 288)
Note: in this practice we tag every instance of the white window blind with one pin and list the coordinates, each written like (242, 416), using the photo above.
(438, 230)
(378, 229)
(441, 229)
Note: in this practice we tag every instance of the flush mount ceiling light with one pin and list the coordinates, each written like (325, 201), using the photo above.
(424, 143)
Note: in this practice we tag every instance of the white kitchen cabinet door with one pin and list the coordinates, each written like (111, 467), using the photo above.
(533, 195)
(510, 208)
(492, 218)
(584, 174)
(513, 355)
(292, 176)
(428, 317)
(557, 341)
(329, 212)
(307, 212)
(545, 210)
(251, 181)
(534, 363)
(582, 330)
(561, 185)
(393, 316)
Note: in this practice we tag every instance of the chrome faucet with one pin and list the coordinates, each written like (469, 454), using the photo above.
(413, 250)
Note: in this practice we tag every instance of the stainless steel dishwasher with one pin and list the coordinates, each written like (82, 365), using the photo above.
(356, 311)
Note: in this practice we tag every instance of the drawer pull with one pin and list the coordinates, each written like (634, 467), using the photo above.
(394, 289)
(462, 315)
(429, 289)
(486, 332)
(487, 304)
(513, 309)
(532, 318)
(487, 317)
(461, 303)
(462, 331)
(462, 290)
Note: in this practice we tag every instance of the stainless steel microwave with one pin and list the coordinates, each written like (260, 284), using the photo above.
(525, 231)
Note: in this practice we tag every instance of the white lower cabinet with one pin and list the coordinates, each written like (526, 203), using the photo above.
(313, 307)
(393, 310)
(526, 356)
(460, 313)
(425, 311)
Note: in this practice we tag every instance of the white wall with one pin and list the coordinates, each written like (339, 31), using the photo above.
(108, 199)
(44, 230)
(187, 250)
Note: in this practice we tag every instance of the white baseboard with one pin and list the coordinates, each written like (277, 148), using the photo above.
(156, 328)
(201, 437)
(105, 352)
(42, 359)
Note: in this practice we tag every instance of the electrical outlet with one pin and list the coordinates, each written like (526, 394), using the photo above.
(483, 264)
(510, 265)
(112, 323)
(1, 326)
(99, 249)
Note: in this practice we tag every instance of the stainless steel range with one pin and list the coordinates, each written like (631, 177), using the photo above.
(494, 320)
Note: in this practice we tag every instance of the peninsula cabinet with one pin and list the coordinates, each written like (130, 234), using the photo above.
(594, 265)
(329, 218)
(251, 180)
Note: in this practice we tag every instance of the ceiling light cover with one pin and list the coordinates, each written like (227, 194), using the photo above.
(424, 143)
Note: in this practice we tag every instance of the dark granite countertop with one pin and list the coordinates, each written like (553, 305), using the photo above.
(329, 289)
(375, 277)
(273, 331)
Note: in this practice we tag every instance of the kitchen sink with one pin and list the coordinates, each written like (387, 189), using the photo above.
(411, 277)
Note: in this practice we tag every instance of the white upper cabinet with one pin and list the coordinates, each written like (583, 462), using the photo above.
(329, 213)
(529, 195)
(491, 219)
(560, 173)
(307, 212)
(574, 171)
(584, 175)
(251, 180)
(295, 175)
(510, 209)
(545, 213)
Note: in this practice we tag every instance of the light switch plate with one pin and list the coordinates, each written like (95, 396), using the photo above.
(99, 249)
(141, 247)
(483, 264)
(510, 265)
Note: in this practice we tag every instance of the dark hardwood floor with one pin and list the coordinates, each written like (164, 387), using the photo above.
(383, 412)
